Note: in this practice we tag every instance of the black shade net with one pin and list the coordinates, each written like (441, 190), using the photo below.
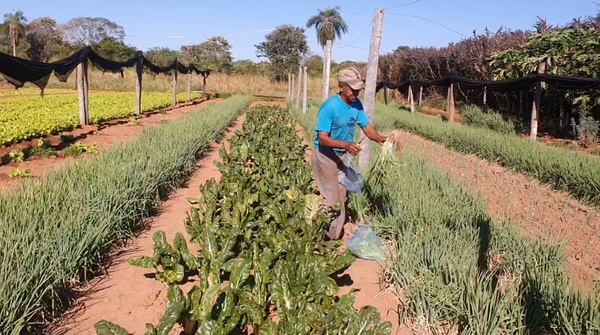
(507, 85)
(18, 71)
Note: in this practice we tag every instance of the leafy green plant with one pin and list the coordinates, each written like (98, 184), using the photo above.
(44, 148)
(16, 155)
(68, 138)
(19, 173)
(134, 121)
(170, 262)
(80, 148)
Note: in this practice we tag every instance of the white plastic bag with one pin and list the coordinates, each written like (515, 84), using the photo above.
(351, 178)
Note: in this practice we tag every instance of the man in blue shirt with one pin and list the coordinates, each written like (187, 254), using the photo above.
(336, 124)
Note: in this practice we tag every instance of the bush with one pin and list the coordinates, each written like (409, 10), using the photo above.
(474, 116)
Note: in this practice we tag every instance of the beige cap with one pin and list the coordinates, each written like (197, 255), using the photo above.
(351, 76)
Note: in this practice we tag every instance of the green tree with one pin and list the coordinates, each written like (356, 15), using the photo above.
(284, 48)
(44, 39)
(246, 66)
(214, 54)
(113, 49)
(13, 28)
(314, 64)
(161, 56)
(329, 25)
(82, 31)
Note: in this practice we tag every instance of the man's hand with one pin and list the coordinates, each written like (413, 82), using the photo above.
(352, 148)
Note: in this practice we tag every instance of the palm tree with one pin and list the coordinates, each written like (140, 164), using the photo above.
(328, 24)
(14, 26)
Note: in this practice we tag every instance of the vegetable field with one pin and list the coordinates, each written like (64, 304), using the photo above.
(251, 257)
(23, 116)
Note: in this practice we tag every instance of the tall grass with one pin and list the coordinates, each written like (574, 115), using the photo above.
(247, 84)
(55, 232)
(474, 116)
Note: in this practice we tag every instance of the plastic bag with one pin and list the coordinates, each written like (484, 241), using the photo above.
(365, 244)
(351, 179)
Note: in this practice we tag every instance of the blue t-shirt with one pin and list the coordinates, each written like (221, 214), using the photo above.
(340, 119)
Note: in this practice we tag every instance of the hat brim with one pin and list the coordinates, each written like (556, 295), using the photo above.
(359, 85)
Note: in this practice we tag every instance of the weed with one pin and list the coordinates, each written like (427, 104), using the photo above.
(18, 173)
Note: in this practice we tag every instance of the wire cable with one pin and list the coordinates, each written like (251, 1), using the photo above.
(428, 20)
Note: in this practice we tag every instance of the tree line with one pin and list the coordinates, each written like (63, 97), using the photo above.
(571, 49)
(283, 50)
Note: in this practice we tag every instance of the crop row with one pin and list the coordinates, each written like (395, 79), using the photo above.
(263, 265)
(54, 232)
(458, 268)
(26, 117)
(566, 170)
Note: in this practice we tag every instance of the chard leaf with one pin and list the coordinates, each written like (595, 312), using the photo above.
(172, 274)
(240, 273)
(313, 204)
(293, 194)
(208, 327)
(368, 322)
(203, 305)
(104, 327)
(150, 329)
(175, 306)
(143, 261)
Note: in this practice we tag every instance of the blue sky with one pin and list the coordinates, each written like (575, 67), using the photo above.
(244, 23)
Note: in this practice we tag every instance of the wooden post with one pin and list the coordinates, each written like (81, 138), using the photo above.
(305, 91)
(411, 99)
(189, 86)
(451, 102)
(420, 94)
(299, 86)
(364, 158)
(485, 95)
(175, 84)
(537, 100)
(138, 86)
(293, 88)
(86, 91)
(327, 70)
(204, 93)
(385, 95)
(290, 86)
(82, 91)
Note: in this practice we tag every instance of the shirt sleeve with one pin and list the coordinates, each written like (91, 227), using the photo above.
(324, 119)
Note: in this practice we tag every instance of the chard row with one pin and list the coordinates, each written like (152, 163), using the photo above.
(263, 266)
(54, 232)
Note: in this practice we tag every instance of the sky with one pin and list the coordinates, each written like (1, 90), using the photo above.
(413, 23)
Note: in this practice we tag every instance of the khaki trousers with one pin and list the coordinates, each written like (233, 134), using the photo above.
(325, 165)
